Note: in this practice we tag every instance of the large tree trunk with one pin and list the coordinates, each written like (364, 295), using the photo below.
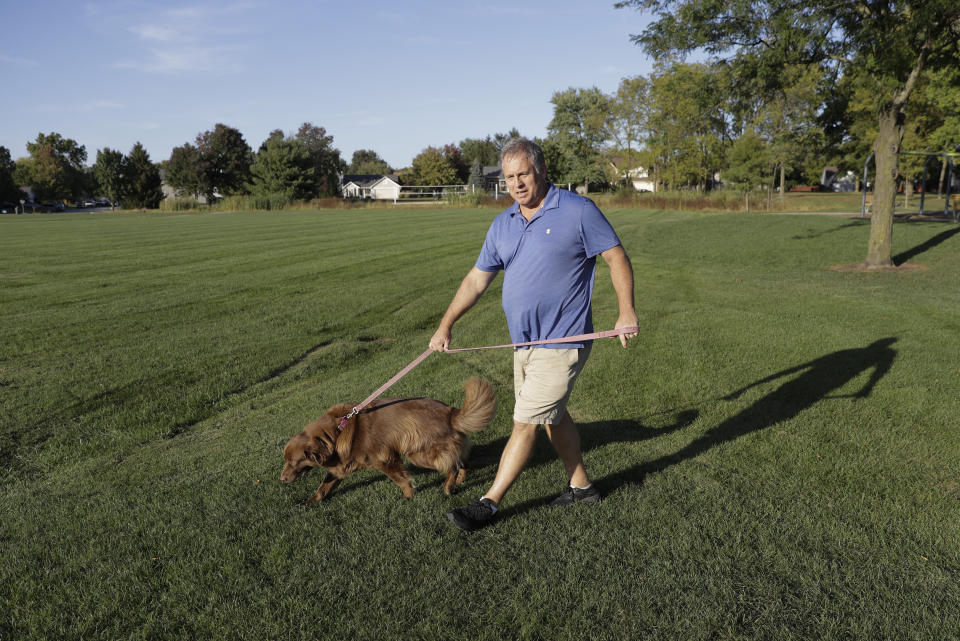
(887, 150)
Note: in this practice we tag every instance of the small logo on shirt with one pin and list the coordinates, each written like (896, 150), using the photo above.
(548, 231)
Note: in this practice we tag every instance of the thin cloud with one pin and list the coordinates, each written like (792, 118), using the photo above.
(187, 59)
(190, 39)
(157, 33)
(17, 61)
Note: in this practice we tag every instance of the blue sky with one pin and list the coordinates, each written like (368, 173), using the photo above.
(394, 77)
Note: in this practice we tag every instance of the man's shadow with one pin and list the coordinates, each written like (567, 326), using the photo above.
(818, 379)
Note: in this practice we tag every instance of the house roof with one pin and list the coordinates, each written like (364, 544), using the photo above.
(365, 180)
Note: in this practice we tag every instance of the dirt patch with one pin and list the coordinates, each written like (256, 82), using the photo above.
(861, 267)
(16, 276)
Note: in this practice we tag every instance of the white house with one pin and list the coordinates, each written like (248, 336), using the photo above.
(376, 187)
(638, 176)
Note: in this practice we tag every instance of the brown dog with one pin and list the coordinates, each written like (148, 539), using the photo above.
(429, 433)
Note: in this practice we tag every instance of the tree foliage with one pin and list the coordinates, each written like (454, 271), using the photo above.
(368, 162)
(283, 168)
(108, 173)
(9, 191)
(225, 159)
(184, 171)
(886, 44)
(326, 161)
(576, 134)
(56, 171)
(141, 180)
(432, 167)
(687, 123)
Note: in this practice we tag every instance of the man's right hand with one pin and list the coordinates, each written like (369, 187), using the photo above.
(440, 341)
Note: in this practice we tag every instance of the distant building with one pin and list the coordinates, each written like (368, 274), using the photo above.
(493, 179)
(375, 186)
(639, 177)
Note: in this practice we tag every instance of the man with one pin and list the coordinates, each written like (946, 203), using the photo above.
(546, 244)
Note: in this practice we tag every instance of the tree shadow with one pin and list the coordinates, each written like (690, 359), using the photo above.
(816, 381)
(815, 235)
(943, 236)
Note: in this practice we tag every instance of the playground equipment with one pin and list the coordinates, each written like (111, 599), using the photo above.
(948, 210)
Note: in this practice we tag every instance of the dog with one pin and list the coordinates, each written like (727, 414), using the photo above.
(429, 433)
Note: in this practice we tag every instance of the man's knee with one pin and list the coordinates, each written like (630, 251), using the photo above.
(524, 429)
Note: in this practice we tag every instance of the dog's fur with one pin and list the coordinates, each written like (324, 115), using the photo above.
(429, 433)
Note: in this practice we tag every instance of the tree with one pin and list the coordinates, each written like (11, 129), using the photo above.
(282, 167)
(184, 171)
(368, 163)
(141, 180)
(628, 118)
(57, 167)
(482, 150)
(578, 132)
(890, 43)
(456, 159)
(327, 164)
(432, 167)
(475, 179)
(748, 161)
(9, 191)
(225, 159)
(687, 123)
(499, 140)
(108, 173)
(789, 121)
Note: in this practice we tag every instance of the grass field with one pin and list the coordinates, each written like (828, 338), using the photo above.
(778, 449)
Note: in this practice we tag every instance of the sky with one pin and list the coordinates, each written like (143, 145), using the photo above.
(394, 77)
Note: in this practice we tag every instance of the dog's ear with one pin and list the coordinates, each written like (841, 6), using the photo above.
(320, 448)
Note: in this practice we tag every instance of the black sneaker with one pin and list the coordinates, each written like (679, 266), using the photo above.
(576, 495)
(474, 516)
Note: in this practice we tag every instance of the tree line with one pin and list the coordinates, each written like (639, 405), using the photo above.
(220, 163)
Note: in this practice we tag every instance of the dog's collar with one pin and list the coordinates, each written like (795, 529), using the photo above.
(343, 419)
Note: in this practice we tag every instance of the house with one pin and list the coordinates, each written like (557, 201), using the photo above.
(639, 177)
(493, 179)
(376, 186)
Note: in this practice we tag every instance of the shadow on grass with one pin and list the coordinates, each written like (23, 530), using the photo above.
(815, 235)
(816, 381)
(943, 236)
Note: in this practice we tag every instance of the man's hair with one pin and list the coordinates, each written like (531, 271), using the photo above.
(528, 148)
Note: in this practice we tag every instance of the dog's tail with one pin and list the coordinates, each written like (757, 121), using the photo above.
(478, 409)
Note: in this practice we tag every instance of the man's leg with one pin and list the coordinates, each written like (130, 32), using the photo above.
(566, 440)
(515, 455)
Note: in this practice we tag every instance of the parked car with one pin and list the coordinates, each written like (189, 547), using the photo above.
(8, 208)
(103, 202)
(89, 202)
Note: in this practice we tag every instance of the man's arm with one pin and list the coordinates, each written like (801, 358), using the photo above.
(621, 274)
(473, 285)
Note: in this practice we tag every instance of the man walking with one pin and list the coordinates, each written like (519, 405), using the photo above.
(546, 244)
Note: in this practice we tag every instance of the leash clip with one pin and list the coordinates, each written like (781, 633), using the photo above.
(343, 421)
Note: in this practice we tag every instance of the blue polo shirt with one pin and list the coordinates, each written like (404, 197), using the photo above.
(548, 265)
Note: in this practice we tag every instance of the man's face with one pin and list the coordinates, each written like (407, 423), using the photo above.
(522, 181)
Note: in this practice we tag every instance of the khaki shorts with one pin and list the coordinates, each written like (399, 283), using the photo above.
(542, 381)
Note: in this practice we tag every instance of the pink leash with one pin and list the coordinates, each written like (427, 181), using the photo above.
(610, 333)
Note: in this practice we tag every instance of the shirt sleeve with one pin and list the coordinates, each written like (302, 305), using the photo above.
(489, 259)
(598, 233)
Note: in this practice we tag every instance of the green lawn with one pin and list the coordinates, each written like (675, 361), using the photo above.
(778, 449)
